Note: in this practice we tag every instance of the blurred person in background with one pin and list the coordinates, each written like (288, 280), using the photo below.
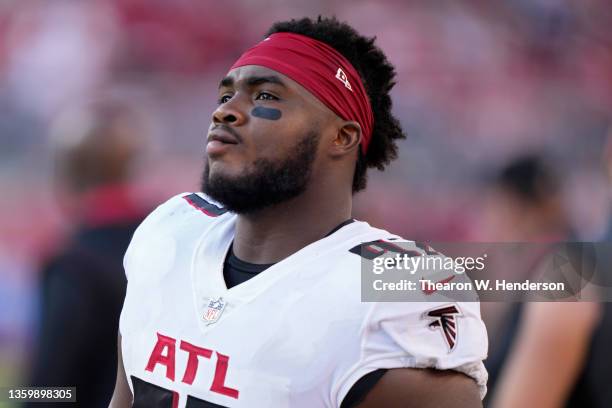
(524, 202)
(83, 284)
(539, 349)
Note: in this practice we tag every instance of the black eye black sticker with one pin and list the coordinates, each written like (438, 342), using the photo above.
(266, 113)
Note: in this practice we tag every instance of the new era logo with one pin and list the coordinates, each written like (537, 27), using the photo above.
(344, 79)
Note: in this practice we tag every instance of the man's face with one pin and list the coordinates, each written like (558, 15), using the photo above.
(263, 139)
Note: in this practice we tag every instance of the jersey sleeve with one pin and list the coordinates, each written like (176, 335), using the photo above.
(439, 335)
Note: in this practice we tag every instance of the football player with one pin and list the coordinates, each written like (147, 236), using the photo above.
(248, 294)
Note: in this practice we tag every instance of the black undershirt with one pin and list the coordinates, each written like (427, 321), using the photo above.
(237, 271)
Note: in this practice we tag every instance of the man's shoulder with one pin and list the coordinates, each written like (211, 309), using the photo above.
(184, 207)
(178, 222)
(349, 242)
(183, 216)
(373, 242)
(192, 201)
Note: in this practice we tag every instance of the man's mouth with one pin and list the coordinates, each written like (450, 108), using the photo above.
(219, 141)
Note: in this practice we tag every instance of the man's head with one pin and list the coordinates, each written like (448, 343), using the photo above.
(271, 138)
(96, 145)
(525, 200)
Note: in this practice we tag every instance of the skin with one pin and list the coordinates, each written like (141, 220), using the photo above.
(122, 397)
(547, 357)
(276, 232)
(422, 388)
(272, 234)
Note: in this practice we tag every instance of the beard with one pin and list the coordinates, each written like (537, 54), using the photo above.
(265, 182)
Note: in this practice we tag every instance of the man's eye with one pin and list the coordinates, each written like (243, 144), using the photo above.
(266, 96)
(224, 99)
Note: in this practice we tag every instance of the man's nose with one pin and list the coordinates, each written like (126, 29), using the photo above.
(229, 113)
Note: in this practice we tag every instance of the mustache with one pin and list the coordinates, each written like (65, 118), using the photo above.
(227, 129)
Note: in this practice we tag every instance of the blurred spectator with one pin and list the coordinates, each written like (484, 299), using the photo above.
(83, 285)
(592, 388)
(539, 349)
(525, 203)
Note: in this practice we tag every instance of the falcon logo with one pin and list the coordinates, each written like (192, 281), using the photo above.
(445, 319)
(344, 79)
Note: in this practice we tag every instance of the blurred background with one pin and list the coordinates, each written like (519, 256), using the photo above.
(481, 86)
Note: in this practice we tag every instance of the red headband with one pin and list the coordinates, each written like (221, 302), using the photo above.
(320, 69)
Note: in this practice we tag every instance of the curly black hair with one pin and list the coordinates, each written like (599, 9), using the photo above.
(377, 75)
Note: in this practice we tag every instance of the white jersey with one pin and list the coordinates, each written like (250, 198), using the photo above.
(295, 335)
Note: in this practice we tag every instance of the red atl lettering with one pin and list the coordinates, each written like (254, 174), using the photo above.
(218, 384)
(192, 363)
(158, 358)
(169, 360)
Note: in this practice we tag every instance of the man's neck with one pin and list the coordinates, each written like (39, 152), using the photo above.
(272, 234)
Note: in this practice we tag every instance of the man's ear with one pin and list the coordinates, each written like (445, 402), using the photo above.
(347, 139)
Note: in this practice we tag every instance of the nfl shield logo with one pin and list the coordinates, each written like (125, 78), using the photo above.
(213, 310)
